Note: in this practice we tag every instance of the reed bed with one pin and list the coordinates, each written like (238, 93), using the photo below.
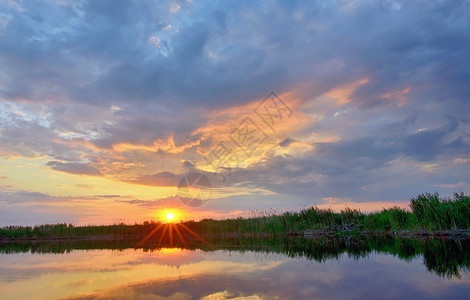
(427, 211)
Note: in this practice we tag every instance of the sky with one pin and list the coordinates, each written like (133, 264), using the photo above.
(108, 107)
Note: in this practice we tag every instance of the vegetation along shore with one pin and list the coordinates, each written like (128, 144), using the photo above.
(429, 215)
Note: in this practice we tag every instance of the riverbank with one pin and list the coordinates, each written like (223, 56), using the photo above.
(455, 234)
(424, 234)
(429, 215)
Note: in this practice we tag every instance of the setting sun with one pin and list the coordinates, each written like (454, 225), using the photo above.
(170, 215)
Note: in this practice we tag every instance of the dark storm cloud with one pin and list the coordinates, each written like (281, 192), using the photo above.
(424, 145)
(427, 144)
(348, 167)
(100, 52)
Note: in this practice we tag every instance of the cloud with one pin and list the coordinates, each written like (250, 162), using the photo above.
(138, 91)
(209, 58)
(286, 142)
(74, 168)
(451, 186)
(171, 201)
(188, 164)
(159, 179)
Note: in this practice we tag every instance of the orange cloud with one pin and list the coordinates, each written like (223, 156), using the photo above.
(342, 94)
(398, 95)
(274, 118)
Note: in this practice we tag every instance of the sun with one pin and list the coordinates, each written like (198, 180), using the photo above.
(170, 216)
(170, 227)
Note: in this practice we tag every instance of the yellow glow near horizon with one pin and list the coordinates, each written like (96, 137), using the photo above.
(31, 175)
(170, 215)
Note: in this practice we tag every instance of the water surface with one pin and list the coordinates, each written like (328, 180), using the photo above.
(238, 269)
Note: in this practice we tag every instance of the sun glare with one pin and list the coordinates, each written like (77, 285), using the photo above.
(169, 215)
(170, 228)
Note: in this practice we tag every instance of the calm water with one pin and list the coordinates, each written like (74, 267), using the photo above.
(280, 269)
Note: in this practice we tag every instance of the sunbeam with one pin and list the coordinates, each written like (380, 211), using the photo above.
(169, 227)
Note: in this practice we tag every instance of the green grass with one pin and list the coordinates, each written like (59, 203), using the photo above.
(437, 214)
(71, 231)
(428, 211)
